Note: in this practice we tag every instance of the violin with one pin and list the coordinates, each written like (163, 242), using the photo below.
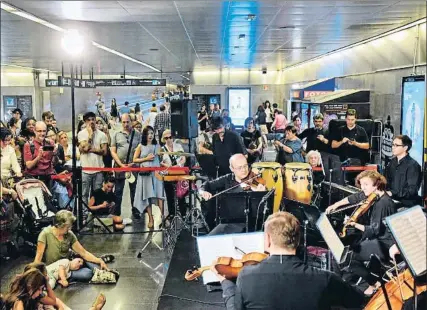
(364, 207)
(399, 290)
(228, 267)
(252, 181)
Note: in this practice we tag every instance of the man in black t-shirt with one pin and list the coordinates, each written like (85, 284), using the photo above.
(252, 140)
(102, 200)
(352, 141)
(317, 137)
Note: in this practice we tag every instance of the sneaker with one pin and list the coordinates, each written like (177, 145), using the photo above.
(127, 221)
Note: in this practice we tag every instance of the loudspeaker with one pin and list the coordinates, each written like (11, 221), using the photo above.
(184, 118)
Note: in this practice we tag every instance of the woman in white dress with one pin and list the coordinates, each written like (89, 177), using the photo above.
(149, 189)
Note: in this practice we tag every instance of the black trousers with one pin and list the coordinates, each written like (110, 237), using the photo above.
(170, 197)
(362, 254)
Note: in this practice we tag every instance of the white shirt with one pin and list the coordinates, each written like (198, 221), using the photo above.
(269, 119)
(9, 162)
(151, 119)
(92, 159)
(176, 148)
(69, 152)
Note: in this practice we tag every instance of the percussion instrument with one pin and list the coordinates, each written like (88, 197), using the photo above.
(298, 181)
(174, 178)
(272, 175)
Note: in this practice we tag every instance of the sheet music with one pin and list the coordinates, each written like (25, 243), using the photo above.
(211, 247)
(409, 230)
(331, 238)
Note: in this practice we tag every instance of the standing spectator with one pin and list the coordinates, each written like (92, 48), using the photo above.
(93, 146)
(54, 125)
(28, 129)
(8, 163)
(120, 148)
(280, 122)
(102, 126)
(316, 137)
(149, 189)
(47, 118)
(162, 121)
(113, 110)
(269, 114)
(289, 147)
(137, 108)
(261, 120)
(125, 109)
(202, 118)
(225, 113)
(216, 111)
(296, 120)
(252, 140)
(137, 126)
(151, 117)
(68, 149)
(17, 114)
(12, 124)
(40, 156)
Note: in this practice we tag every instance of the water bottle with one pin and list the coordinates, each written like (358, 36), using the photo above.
(323, 262)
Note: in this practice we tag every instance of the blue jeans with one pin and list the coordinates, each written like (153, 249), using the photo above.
(84, 274)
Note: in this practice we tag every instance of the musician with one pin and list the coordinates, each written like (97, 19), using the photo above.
(403, 173)
(225, 143)
(352, 141)
(376, 238)
(240, 170)
(120, 148)
(283, 281)
(252, 140)
(317, 137)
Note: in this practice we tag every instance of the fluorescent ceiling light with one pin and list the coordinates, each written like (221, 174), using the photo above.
(404, 27)
(16, 11)
(28, 68)
(292, 48)
(185, 77)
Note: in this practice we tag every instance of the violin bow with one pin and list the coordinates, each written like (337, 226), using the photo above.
(237, 185)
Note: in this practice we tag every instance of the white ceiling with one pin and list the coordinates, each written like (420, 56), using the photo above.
(196, 35)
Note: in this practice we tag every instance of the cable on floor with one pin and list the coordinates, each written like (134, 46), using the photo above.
(193, 300)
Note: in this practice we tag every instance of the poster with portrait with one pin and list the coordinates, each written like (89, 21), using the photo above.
(413, 107)
(239, 104)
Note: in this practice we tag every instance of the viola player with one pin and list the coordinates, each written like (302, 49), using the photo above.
(283, 281)
(376, 238)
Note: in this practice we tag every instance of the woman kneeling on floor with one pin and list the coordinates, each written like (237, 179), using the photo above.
(55, 242)
(27, 293)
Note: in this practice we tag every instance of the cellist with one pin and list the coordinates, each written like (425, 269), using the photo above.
(376, 239)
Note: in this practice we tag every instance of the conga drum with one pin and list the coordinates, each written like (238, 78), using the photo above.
(298, 182)
(272, 174)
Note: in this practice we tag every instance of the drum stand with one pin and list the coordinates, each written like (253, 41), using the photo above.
(195, 215)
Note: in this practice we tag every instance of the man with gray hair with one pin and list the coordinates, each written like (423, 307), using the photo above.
(124, 142)
(40, 155)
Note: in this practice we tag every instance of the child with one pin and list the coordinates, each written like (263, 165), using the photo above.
(60, 271)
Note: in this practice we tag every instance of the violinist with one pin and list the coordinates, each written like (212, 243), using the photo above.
(376, 238)
(283, 281)
(234, 181)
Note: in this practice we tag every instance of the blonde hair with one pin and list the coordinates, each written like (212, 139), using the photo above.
(153, 109)
(166, 132)
(284, 230)
(311, 153)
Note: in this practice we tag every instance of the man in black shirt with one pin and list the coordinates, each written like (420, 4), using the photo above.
(317, 137)
(225, 143)
(403, 173)
(283, 281)
(352, 141)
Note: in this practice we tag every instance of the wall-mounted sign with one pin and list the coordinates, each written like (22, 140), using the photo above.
(85, 83)
(50, 83)
(312, 93)
(10, 103)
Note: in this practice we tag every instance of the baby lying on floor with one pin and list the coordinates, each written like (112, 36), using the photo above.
(60, 271)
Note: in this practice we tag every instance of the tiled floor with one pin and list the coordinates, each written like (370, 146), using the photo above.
(141, 279)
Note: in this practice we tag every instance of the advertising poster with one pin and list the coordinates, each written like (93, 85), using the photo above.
(387, 141)
(413, 107)
(239, 103)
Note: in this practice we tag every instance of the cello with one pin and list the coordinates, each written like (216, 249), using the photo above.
(228, 267)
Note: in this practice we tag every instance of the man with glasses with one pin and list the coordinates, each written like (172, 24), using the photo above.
(92, 146)
(403, 173)
(40, 155)
(239, 168)
(225, 143)
(120, 147)
(317, 137)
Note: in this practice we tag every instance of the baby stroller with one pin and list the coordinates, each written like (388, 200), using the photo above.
(37, 210)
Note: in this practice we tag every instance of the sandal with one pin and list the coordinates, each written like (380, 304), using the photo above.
(99, 302)
(150, 224)
(108, 258)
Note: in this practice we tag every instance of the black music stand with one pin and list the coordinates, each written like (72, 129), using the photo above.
(242, 207)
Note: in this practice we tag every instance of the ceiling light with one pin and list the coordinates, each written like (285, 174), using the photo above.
(185, 77)
(251, 17)
(292, 48)
(242, 36)
(73, 43)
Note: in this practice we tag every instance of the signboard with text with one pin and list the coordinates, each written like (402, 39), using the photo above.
(86, 83)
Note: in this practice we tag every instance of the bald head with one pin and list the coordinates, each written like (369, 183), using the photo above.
(126, 123)
(40, 130)
(239, 166)
(236, 159)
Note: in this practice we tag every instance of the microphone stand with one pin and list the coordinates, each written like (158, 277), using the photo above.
(264, 201)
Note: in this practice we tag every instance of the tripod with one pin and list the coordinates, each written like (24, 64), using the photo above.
(195, 215)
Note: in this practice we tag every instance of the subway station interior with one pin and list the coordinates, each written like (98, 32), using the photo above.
(208, 154)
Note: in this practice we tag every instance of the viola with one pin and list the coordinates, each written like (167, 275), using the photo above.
(251, 181)
(399, 290)
(364, 207)
(228, 267)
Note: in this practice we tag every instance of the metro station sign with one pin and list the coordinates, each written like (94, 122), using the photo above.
(87, 83)
(313, 93)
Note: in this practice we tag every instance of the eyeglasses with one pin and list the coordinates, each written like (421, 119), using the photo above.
(167, 138)
(396, 145)
(40, 131)
(240, 168)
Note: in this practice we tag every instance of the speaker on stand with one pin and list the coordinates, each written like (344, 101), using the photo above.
(184, 118)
